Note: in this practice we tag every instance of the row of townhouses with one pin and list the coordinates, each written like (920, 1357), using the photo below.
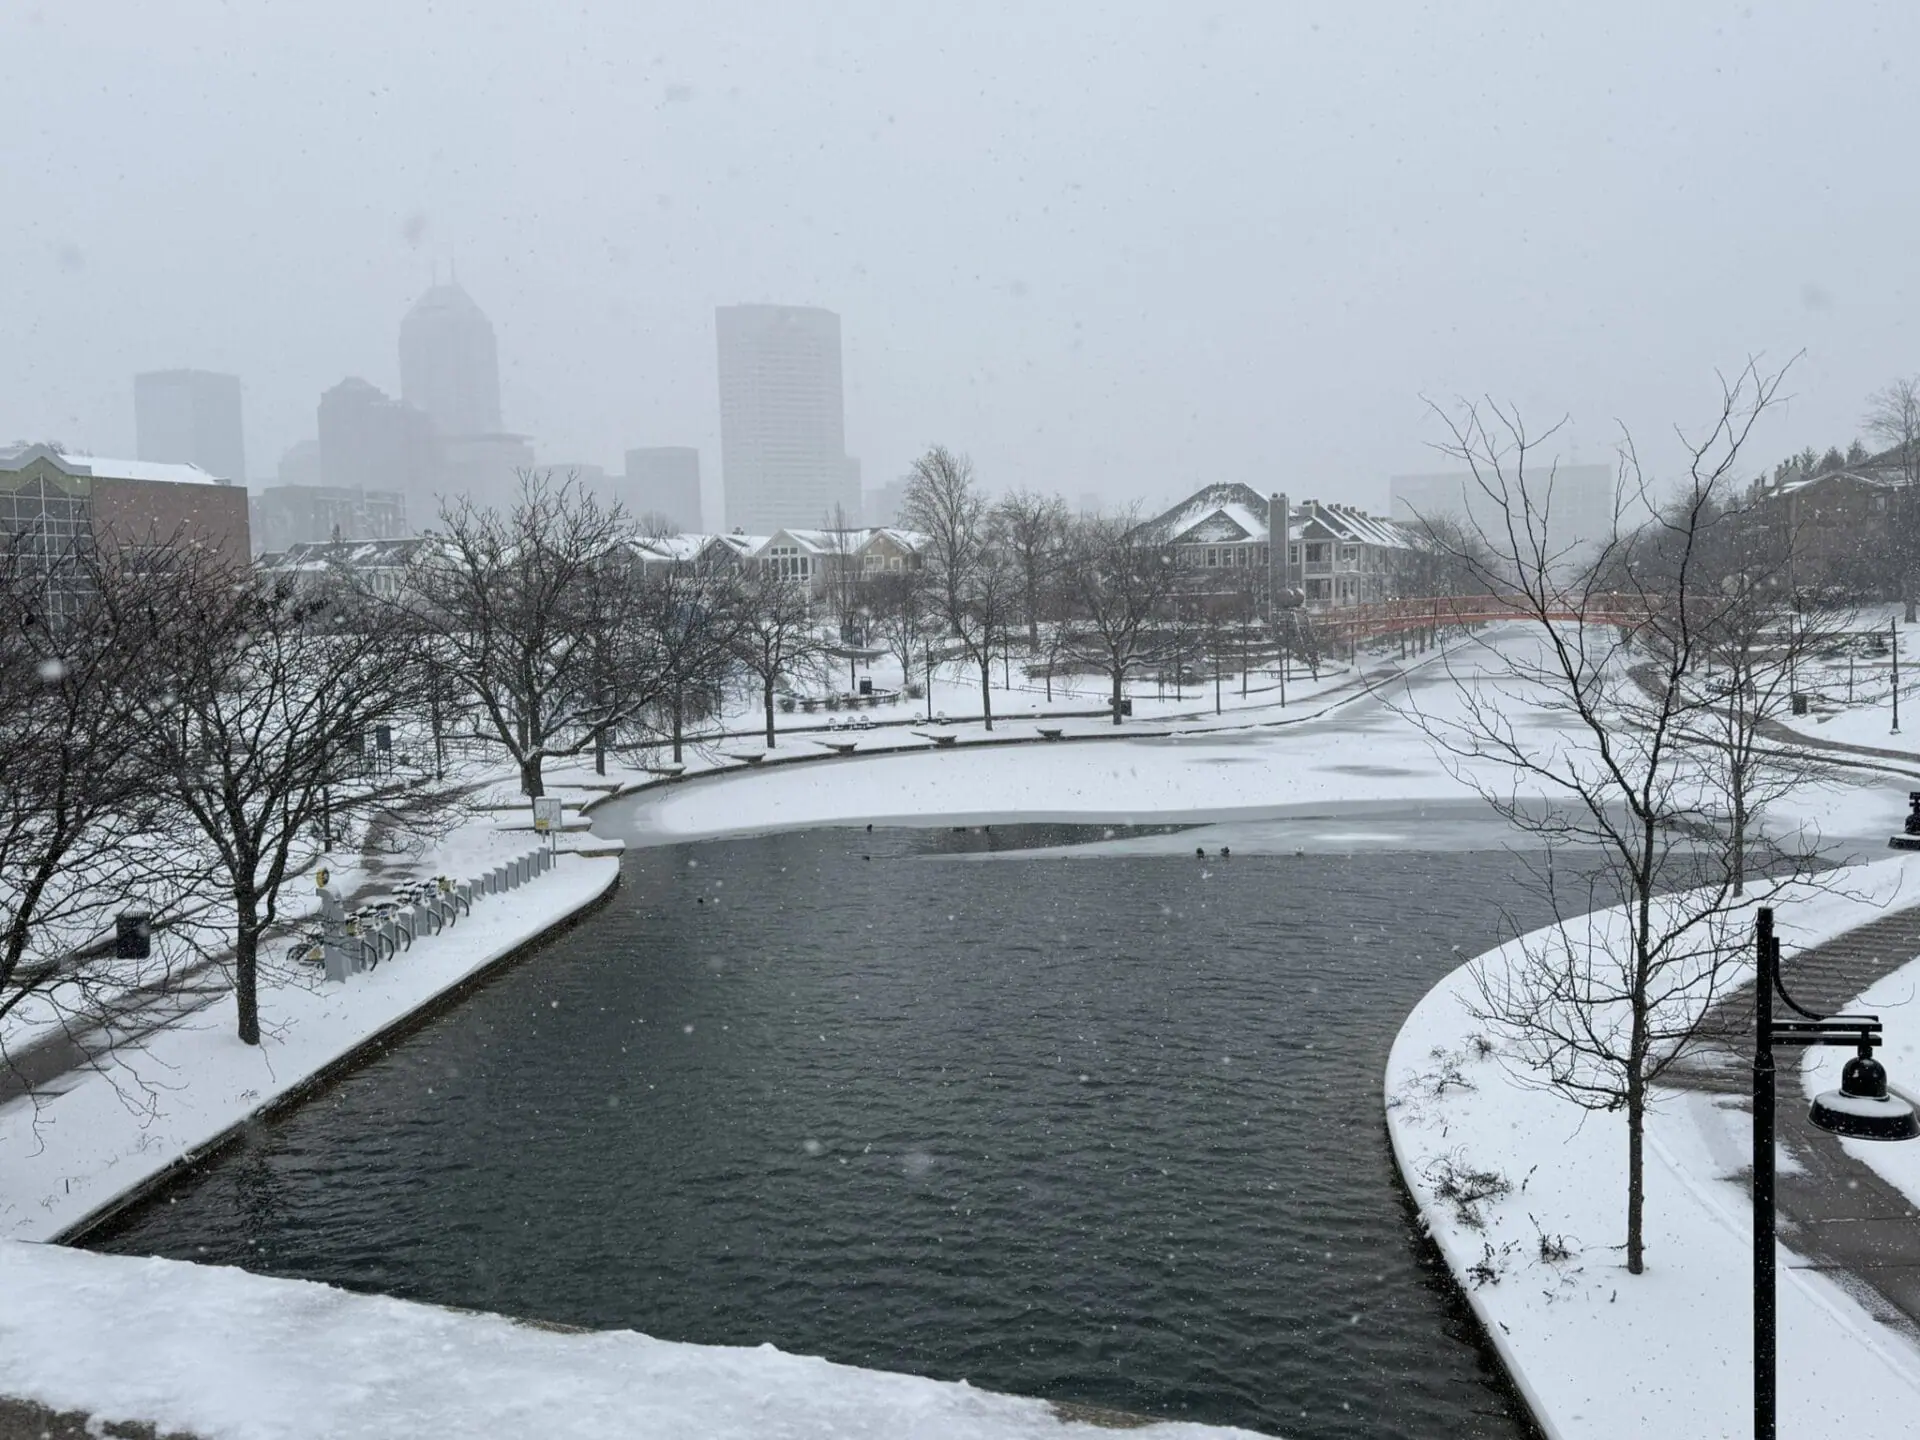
(1224, 539)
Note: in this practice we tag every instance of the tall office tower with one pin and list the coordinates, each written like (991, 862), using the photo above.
(190, 417)
(449, 365)
(663, 484)
(369, 441)
(783, 449)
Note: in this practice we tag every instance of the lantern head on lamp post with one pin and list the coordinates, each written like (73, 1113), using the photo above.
(1861, 1109)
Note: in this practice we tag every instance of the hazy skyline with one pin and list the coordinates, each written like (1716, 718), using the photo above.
(1132, 249)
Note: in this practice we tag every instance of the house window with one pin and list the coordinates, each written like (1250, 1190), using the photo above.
(1213, 557)
(1349, 552)
(1316, 552)
(1293, 554)
(788, 563)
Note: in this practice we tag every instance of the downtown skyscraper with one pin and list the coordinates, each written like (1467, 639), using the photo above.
(783, 450)
(190, 417)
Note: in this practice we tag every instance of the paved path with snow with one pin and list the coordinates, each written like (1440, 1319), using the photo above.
(1835, 1212)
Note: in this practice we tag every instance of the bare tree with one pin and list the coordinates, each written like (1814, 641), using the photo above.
(776, 635)
(78, 812)
(1123, 580)
(693, 620)
(525, 613)
(1893, 418)
(270, 700)
(1610, 657)
(1035, 527)
(901, 609)
(970, 578)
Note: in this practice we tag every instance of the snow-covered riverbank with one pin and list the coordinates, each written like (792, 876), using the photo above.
(1525, 1197)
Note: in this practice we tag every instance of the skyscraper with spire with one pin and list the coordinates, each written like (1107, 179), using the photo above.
(449, 364)
(450, 371)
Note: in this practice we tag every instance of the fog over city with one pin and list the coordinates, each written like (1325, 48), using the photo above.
(1125, 250)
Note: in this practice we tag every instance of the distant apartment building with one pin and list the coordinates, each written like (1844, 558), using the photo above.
(782, 418)
(663, 486)
(284, 516)
(54, 502)
(190, 417)
(1580, 514)
(1226, 540)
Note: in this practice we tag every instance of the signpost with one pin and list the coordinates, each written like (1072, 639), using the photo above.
(546, 818)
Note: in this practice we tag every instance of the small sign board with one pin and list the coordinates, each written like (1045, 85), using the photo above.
(546, 814)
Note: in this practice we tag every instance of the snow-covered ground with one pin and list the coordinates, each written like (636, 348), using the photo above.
(956, 694)
(220, 1353)
(1599, 1352)
(1359, 750)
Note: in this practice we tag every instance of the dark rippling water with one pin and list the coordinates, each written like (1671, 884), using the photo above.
(1096, 1129)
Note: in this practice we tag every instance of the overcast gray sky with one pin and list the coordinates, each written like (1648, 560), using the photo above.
(1107, 246)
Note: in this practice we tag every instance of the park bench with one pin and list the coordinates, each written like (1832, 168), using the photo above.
(944, 742)
(1050, 732)
(750, 757)
(840, 747)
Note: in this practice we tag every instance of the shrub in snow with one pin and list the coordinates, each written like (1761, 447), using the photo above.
(1466, 1189)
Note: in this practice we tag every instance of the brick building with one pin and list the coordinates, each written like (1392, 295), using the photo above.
(60, 496)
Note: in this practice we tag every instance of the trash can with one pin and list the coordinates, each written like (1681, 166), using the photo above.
(133, 935)
(866, 685)
(1126, 705)
(1799, 704)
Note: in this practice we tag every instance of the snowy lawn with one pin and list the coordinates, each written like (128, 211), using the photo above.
(252, 1358)
(1599, 1352)
(64, 1155)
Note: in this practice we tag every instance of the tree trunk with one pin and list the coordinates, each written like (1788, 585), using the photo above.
(1636, 1145)
(531, 783)
(677, 724)
(986, 687)
(1216, 687)
(246, 966)
(600, 751)
(1119, 680)
(766, 694)
(1737, 857)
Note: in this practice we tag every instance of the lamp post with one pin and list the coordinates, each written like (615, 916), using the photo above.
(1893, 637)
(1861, 1108)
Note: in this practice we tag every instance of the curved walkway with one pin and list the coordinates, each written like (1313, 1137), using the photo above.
(1835, 1213)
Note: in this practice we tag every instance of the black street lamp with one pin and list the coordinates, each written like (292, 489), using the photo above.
(1861, 1108)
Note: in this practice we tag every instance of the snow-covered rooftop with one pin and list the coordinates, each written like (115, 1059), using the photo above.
(1232, 506)
(103, 467)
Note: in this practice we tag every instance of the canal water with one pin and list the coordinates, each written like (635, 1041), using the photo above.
(1097, 1129)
